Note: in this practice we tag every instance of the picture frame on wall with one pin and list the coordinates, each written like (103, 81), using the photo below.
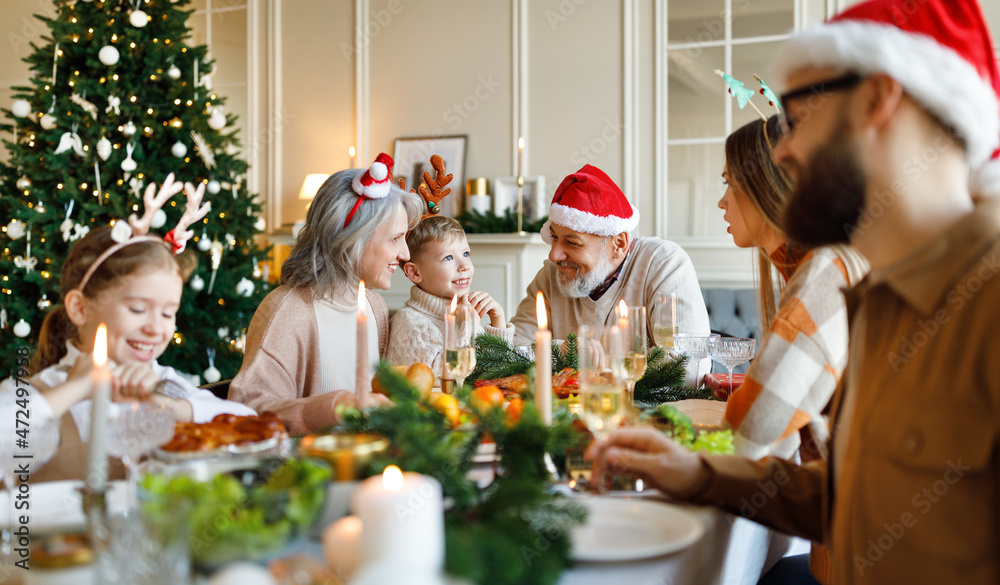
(412, 156)
(536, 204)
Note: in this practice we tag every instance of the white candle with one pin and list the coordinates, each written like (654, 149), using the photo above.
(341, 541)
(351, 152)
(362, 385)
(543, 362)
(449, 326)
(673, 313)
(520, 156)
(403, 519)
(97, 449)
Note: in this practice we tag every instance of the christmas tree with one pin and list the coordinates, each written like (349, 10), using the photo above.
(118, 98)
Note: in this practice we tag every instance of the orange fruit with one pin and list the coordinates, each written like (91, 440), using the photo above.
(420, 377)
(486, 397)
(447, 405)
(514, 410)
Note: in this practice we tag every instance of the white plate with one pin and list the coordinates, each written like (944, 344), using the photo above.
(625, 530)
(486, 453)
(704, 414)
(55, 505)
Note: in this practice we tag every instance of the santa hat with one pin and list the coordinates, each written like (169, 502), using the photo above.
(375, 182)
(940, 51)
(589, 201)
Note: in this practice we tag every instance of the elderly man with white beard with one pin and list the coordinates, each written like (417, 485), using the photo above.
(596, 260)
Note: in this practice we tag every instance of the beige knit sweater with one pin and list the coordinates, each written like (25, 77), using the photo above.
(281, 370)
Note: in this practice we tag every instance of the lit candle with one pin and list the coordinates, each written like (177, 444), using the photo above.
(340, 544)
(403, 520)
(351, 152)
(543, 362)
(449, 326)
(97, 449)
(623, 316)
(520, 156)
(362, 385)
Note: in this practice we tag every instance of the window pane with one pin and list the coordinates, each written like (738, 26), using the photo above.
(694, 188)
(747, 61)
(236, 103)
(229, 47)
(197, 5)
(696, 21)
(696, 94)
(762, 17)
(199, 35)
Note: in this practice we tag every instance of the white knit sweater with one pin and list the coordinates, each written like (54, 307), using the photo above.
(416, 332)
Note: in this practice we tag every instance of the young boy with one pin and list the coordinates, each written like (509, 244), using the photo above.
(439, 267)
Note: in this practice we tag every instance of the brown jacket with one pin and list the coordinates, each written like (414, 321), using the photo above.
(916, 499)
(281, 369)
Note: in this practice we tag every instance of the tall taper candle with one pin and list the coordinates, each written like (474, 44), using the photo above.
(543, 362)
(350, 153)
(447, 380)
(97, 448)
(362, 385)
(520, 156)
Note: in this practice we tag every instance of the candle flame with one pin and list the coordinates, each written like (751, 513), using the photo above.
(520, 142)
(351, 151)
(101, 346)
(361, 298)
(454, 304)
(392, 478)
(543, 321)
(622, 309)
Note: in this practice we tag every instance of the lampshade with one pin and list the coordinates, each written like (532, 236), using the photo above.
(311, 185)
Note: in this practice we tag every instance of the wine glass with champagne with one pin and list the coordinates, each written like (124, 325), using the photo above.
(665, 321)
(460, 343)
(602, 379)
(632, 325)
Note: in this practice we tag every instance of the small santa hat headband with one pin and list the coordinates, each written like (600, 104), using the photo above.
(374, 183)
(589, 201)
(134, 231)
(940, 51)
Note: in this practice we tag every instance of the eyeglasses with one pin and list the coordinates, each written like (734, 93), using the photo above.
(789, 122)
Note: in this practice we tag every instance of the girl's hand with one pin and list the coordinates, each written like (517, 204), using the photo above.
(134, 382)
(484, 304)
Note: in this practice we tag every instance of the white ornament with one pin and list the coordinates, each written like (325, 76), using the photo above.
(178, 149)
(72, 231)
(104, 148)
(212, 375)
(48, 121)
(88, 107)
(114, 105)
(68, 141)
(129, 128)
(197, 283)
(217, 121)
(44, 302)
(213, 187)
(128, 165)
(159, 219)
(231, 149)
(222, 332)
(204, 243)
(121, 232)
(244, 287)
(22, 328)
(138, 19)
(23, 183)
(174, 72)
(241, 343)
(15, 229)
(21, 108)
(260, 225)
(3, 318)
(108, 55)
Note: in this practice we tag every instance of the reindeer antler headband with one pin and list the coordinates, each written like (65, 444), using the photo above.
(134, 231)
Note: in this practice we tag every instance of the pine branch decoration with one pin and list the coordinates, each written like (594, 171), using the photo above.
(476, 222)
(495, 358)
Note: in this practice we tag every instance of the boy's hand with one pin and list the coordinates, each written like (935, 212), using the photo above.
(484, 304)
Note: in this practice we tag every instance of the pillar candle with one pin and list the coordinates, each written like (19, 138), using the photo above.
(340, 544)
(402, 515)
(362, 385)
(520, 156)
(543, 362)
(97, 448)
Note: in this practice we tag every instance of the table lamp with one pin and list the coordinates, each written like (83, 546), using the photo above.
(307, 192)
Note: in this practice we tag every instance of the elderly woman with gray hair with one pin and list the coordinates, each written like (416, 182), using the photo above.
(298, 361)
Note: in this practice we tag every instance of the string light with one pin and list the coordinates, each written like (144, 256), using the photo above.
(115, 77)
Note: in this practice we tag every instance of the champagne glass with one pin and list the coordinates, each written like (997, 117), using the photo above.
(731, 352)
(134, 429)
(460, 343)
(632, 323)
(602, 378)
(665, 321)
(694, 347)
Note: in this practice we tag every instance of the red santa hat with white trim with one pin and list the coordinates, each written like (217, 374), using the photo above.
(589, 201)
(940, 51)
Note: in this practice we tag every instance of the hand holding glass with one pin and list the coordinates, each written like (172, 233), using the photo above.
(460, 343)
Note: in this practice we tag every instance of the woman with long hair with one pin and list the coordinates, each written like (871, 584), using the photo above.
(802, 313)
